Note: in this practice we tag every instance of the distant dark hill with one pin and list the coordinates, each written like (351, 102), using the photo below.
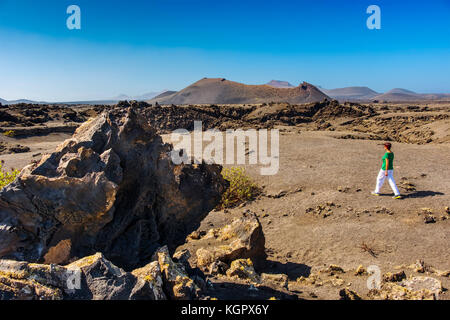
(222, 91)
(142, 97)
(121, 97)
(394, 95)
(436, 96)
(401, 91)
(23, 101)
(110, 101)
(398, 94)
(280, 84)
(88, 102)
(165, 94)
(351, 93)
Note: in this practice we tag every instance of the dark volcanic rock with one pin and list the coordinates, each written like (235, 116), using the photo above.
(242, 239)
(92, 278)
(18, 149)
(334, 109)
(168, 118)
(100, 280)
(5, 116)
(176, 281)
(111, 188)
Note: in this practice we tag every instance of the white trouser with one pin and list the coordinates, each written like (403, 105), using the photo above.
(380, 181)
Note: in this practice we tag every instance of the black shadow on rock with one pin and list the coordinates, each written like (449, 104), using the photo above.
(238, 291)
(291, 269)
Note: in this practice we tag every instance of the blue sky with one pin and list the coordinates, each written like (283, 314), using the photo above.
(133, 47)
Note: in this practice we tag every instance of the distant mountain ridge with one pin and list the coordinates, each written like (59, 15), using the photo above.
(395, 95)
(165, 94)
(114, 100)
(142, 97)
(222, 91)
(399, 94)
(5, 102)
(401, 91)
(280, 84)
(353, 93)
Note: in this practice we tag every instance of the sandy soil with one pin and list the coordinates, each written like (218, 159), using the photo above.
(300, 242)
(38, 145)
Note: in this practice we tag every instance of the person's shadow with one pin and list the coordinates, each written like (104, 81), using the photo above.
(423, 194)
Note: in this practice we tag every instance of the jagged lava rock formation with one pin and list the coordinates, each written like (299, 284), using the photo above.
(243, 238)
(95, 278)
(111, 188)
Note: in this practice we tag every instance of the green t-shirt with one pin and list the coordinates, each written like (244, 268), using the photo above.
(390, 156)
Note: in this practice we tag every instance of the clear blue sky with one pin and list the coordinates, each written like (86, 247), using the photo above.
(133, 47)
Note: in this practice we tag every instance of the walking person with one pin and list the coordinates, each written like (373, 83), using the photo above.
(387, 171)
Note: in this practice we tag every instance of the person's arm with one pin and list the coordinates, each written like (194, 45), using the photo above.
(387, 167)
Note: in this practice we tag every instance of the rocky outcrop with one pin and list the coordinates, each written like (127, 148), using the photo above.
(347, 294)
(277, 280)
(91, 278)
(171, 117)
(423, 283)
(100, 280)
(243, 269)
(149, 283)
(414, 288)
(111, 188)
(242, 239)
(26, 281)
(394, 277)
(177, 283)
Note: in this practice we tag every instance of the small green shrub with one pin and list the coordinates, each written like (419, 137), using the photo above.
(7, 177)
(241, 188)
(9, 133)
